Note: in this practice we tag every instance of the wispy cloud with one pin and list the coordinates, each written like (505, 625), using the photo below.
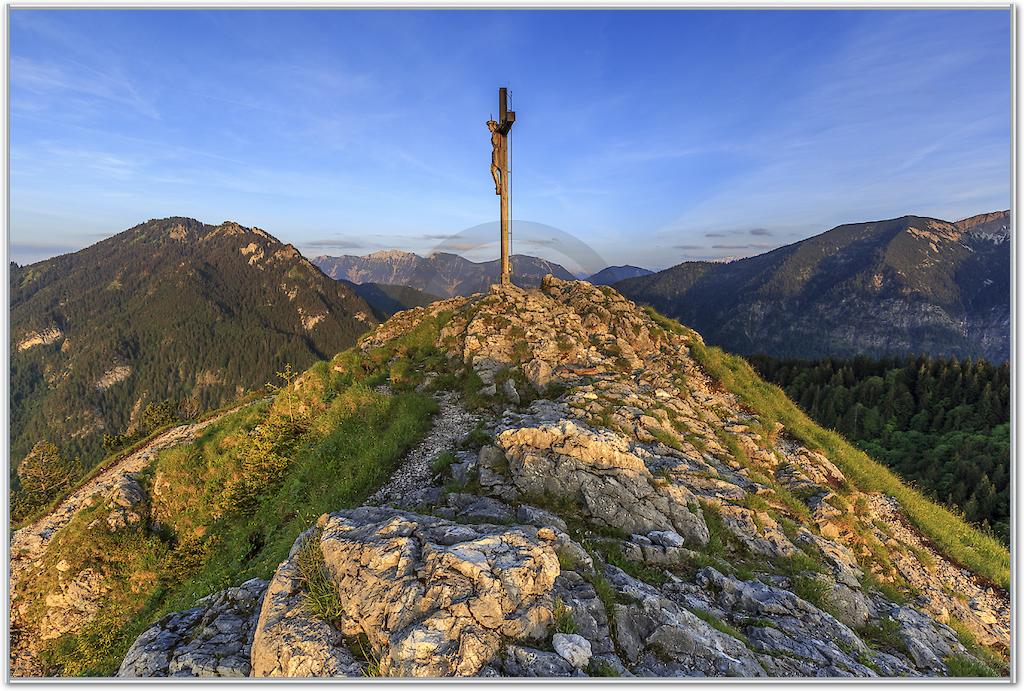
(57, 80)
(334, 243)
(680, 129)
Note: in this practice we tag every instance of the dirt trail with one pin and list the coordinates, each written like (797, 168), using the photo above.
(451, 423)
(29, 543)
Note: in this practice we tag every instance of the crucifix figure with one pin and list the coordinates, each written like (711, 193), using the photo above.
(496, 154)
(499, 171)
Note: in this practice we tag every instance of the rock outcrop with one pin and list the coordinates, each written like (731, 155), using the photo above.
(213, 639)
(431, 597)
(608, 509)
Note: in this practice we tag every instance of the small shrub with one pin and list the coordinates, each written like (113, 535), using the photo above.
(601, 668)
(321, 596)
(44, 473)
(966, 666)
(442, 462)
(562, 616)
(814, 590)
(157, 415)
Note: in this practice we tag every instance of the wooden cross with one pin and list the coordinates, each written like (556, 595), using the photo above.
(499, 170)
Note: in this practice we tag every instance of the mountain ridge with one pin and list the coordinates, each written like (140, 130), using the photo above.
(898, 286)
(441, 273)
(95, 333)
(614, 274)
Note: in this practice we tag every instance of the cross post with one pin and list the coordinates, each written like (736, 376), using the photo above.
(499, 161)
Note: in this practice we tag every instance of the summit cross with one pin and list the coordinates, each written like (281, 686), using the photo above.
(499, 171)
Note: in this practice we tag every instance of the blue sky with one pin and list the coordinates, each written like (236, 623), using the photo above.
(651, 136)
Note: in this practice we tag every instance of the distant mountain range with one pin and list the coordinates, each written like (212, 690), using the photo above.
(167, 309)
(441, 273)
(613, 274)
(904, 285)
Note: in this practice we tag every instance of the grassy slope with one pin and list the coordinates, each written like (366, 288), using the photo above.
(231, 504)
(953, 536)
(117, 456)
(210, 538)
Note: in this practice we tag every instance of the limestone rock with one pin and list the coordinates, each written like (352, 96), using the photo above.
(213, 639)
(551, 454)
(289, 640)
(522, 661)
(433, 598)
(573, 648)
(75, 603)
(126, 500)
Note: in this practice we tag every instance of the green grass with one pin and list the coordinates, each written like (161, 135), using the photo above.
(965, 666)
(343, 450)
(562, 616)
(601, 668)
(442, 462)
(954, 537)
(322, 598)
(362, 648)
(612, 553)
(667, 323)
(666, 438)
(884, 634)
(716, 623)
(477, 437)
(814, 590)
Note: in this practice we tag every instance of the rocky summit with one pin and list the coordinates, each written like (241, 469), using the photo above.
(603, 500)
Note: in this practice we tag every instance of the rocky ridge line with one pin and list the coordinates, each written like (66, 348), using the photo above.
(630, 517)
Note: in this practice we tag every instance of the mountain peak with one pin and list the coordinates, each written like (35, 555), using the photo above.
(892, 287)
(392, 254)
(150, 284)
(991, 227)
(442, 273)
(971, 221)
(618, 454)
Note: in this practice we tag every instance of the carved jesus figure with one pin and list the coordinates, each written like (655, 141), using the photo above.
(496, 152)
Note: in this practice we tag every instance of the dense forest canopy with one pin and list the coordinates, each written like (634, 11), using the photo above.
(943, 424)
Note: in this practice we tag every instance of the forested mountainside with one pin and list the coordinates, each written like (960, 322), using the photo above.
(908, 285)
(614, 274)
(942, 424)
(442, 274)
(386, 299)
(171, 309)
(598, 493)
